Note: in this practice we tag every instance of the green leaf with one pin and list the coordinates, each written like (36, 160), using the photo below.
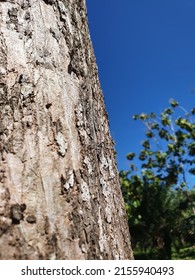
(149, 134)
(173, 103)
(171, 146)
(192, 171)
(183, 123)
(155, 126)
(143, 155)
(136, 117)
(136, 203)
(146, 144)
(191, 149)
(165, 121)
(168, 111)
(152, 115)
(130, 156)
(163, 133)
(143, 116)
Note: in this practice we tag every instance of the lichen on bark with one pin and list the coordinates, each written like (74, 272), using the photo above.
(60, 195)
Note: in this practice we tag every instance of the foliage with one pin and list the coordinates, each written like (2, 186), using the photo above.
(185, 254)
(159, 196)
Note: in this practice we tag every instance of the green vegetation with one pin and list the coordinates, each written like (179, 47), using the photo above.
(160, 195)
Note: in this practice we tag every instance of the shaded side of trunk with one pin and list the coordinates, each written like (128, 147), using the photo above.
(60, 195)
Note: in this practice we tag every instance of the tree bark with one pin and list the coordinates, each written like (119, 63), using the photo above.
(60, 194)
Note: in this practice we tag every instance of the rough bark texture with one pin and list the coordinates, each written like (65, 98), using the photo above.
(60, 196)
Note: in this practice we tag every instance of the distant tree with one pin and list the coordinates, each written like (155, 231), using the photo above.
(159, 194)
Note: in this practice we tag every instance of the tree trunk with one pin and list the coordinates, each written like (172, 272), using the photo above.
(60, 195)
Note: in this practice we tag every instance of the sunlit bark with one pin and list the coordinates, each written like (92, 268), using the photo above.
(60, 195)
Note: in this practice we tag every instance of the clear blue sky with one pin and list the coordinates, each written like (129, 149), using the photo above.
(145, 51)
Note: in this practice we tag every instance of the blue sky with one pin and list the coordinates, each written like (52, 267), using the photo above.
(145, 51)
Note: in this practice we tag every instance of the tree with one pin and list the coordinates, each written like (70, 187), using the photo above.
(60, 194)
(159, 194)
